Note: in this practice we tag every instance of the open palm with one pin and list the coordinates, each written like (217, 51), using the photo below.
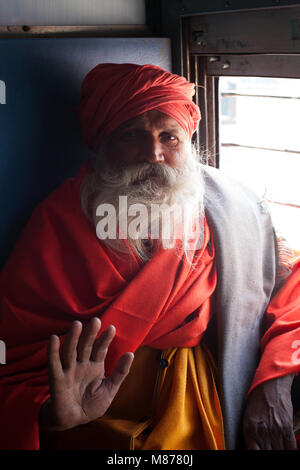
(79, 390)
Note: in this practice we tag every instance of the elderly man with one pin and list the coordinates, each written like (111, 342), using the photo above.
(199, 292)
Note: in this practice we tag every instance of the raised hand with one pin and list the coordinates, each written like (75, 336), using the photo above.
(79, 390)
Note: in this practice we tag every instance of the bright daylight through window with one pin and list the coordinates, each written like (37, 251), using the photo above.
(260, 143)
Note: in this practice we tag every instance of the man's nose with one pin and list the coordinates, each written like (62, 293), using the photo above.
(154, 151)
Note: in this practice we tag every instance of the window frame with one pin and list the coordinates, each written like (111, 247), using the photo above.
(210, 49)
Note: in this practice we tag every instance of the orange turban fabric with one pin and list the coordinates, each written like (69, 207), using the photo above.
(114, 93)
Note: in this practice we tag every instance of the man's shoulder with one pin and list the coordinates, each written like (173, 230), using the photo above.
(234, 210)
(224, 192)
(220, 181)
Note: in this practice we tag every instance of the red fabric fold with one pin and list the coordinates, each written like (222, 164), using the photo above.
(60, 272)
(280, 344)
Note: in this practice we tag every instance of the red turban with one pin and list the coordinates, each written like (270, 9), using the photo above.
(114, 93)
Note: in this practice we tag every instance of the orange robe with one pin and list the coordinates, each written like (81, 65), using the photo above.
(59, 272)
(280, 345)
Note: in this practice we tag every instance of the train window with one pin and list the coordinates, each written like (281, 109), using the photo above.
(246, 65)
(259, 143)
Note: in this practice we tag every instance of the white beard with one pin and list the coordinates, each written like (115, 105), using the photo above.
(177, 192)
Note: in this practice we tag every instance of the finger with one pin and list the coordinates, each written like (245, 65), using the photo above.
(121, 371)
(114, 381)
(54, 363)
(277, 442)
(262, 436)
(252, 445)
(257, 437)
(266, 444)
(290, 442)
(102, 343)
(87, 338)
(69, 351)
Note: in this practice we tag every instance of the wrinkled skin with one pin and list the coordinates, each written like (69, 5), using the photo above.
(79, 390)
(268, 418)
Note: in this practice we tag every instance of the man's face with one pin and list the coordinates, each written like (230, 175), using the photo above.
(152, 137)
(148, 160)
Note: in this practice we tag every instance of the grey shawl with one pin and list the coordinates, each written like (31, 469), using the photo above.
(246, 258)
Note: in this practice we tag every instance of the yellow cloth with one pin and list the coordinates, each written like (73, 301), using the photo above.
(170, 408)
(188, 414)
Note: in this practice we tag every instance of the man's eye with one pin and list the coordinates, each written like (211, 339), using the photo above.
(130, 134)
(170, 139)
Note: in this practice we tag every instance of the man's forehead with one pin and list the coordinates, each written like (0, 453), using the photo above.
(150, 119)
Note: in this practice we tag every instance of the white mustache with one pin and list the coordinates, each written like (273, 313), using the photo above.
(160, 174)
